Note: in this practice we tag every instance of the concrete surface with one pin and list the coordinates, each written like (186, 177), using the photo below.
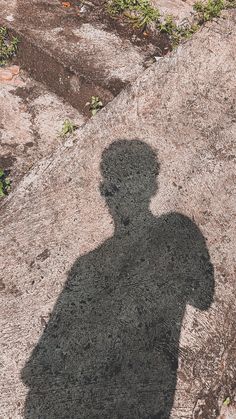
(31, 119)
(95, 217)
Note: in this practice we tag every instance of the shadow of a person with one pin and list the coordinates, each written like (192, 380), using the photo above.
(110, 349)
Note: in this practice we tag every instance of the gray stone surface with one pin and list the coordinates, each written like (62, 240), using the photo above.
(80, 218)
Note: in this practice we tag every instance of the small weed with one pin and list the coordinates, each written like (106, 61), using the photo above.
(230, 4)
(8, 46)
(168, 25)
(95, 105)
(204, 11)
(139, 12)
(142, 14)
(5, 183)
(227, 401)
(207, 11)
(177, 33)
(68, 127)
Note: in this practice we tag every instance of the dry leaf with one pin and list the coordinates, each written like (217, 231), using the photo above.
(66, 4)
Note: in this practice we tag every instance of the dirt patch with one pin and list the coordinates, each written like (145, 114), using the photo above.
(6, 162)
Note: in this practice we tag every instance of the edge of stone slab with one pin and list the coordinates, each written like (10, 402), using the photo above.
(64, 80)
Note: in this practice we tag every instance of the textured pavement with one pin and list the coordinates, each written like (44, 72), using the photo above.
(119, 252)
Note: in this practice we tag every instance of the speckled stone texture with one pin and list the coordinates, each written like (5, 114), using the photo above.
(118, 253)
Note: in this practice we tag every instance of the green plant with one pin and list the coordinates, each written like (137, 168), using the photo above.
(5, 183)
(227, 401)
(230, 4)
(168, 25)
(8, 46)
(176, 33)
(68, 127)
(204, 11)
(140, 12)
(95, 105)
(208, 10)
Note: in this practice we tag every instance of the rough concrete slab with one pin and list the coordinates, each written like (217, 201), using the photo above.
(31, 119)
(65, 222)
(78, 51)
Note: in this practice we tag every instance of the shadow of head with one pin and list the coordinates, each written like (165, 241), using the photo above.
(129, 170)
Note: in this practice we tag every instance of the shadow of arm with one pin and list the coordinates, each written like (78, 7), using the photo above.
(200, 271)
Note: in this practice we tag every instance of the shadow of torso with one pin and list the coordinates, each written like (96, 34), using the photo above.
(110, 349)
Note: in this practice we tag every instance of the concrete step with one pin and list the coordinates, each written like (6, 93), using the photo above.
(80, 51)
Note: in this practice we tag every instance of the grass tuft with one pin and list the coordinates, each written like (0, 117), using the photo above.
(139, 12)
(68, 127)
(142, 14)
(8, 46)
(5, 183)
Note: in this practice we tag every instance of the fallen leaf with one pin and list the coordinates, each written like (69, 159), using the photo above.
(66, 4)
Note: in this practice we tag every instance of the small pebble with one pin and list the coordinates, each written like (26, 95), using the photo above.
(10, 18)
(15, 69)
(10, 75)
(5, 75)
